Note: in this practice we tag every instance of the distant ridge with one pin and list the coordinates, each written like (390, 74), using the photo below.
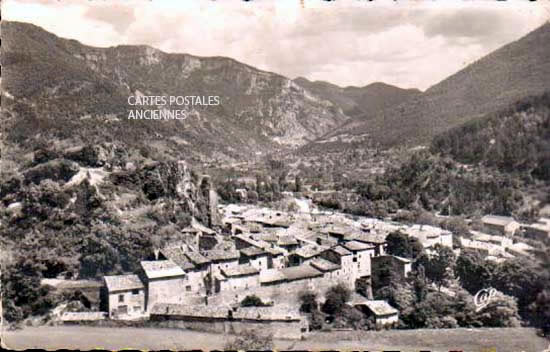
(359, 102)
(505, 76)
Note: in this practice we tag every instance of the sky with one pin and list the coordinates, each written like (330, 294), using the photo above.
(410, 44)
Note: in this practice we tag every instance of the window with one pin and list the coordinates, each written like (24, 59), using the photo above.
(135, 292)
(355, 260)
(120, 298)
(188, 288)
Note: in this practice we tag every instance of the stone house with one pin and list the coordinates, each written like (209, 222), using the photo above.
(165, 282)
(305, 254)
(195, 272)
(256, 257)
(539, 230)
(221, 259)
(242, 277)
(124, 295)
(361, 256)
(499, 225)
(384, 315)
(343, 258)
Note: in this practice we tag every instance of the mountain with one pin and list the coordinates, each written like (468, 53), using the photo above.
(359, 102)
(505, 76)
(61, 90)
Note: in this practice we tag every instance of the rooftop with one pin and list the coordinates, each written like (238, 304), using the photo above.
(324, 265)
(178, 256)
(161, 268)
(310, 250)
(253, 251)
(271, 276)
(210, 311)
(497, 220)
(122, 282)
(265, 236)
(380, 307)
(221, 255)
(241, 270)
(300, 272)
(197, 258)
(341, 251)
(356, 246)
(372, 237)
(267, 313)
(222, 312)
(287, 240)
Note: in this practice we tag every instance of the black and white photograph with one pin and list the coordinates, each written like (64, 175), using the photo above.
(275, 175)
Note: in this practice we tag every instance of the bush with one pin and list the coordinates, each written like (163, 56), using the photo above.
(335, 299)
(252, 301)
(308, 300)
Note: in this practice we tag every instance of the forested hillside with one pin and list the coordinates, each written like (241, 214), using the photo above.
(516, 139)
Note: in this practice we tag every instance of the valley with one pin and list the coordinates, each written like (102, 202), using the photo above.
(321, 211)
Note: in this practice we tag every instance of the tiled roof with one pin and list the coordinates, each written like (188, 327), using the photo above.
(252, 251)
(248, 239)
(375, 238)
(274, 251)
(241, 270)
(122, 282)
(197, 258)
(324, 265)
(271, 276)
(267, 313)
(356, 246)
(265, 236)
(497, 220)
(380, 307)
(287, 240)
(161, 268)
(210, 311)
(220, 255)
(310, 250)
(222, 312)
(178, 256)
(341, 250)
(300, 272)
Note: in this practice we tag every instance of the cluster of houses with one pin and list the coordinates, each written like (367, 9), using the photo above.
(496, 240)
(270, 254)
(198, 279)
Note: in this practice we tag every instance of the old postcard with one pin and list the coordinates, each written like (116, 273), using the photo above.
(275, 175)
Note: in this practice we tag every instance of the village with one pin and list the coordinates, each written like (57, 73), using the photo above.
(198, 278)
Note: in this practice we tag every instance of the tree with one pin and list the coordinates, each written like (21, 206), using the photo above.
(502, 311)
(335, 299)
(540, 311)
(473, 271)
(403, 245)
(520, 278)
(439, 266)
(250, 340)
(308, 301)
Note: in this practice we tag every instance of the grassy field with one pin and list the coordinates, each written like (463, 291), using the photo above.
(85, 338)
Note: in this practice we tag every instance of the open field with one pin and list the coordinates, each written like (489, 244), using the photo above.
(85, 338)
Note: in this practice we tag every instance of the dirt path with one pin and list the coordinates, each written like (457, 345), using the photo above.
(85, 338)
